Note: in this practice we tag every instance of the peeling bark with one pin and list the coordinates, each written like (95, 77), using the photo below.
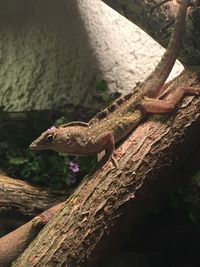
(19, 198)
(110, 202)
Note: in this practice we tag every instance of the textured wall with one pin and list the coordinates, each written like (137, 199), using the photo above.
(53, 52)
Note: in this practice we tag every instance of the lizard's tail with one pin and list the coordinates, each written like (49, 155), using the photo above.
(157, 78)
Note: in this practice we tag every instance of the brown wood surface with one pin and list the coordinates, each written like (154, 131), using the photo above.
(110, 202)
(20, 198)
(14, 243)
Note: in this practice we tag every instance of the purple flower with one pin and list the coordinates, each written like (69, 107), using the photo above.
(74, 167)
(52, 128)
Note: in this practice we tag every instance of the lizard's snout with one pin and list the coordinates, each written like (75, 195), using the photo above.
(32, 146)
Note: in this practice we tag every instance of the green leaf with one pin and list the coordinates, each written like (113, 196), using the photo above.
(18, 160)
(101, 86)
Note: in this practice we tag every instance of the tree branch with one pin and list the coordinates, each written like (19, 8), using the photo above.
(18, 197)
(110, 202)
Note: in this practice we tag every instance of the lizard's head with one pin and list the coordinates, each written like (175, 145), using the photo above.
(45, 140)
(66, 140)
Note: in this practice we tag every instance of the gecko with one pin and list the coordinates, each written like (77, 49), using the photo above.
(115, 122)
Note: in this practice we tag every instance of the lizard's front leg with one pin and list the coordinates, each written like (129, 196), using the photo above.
(152, 105)
(106, 142)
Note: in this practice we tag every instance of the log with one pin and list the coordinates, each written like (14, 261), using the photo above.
(20, 198)
(110, 202)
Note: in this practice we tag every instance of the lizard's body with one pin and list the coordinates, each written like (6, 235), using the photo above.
(120, 118)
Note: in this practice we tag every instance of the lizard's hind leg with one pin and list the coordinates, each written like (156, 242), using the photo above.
(152, 105)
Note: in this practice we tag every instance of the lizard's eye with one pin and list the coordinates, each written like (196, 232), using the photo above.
(50, 137)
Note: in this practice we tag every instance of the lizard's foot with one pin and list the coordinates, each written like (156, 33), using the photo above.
(114, 162)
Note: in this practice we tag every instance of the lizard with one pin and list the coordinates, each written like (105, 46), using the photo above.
(114, 123)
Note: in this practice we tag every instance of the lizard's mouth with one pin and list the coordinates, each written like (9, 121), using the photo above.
(33, 146)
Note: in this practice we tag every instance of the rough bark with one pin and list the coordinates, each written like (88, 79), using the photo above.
(14, 243)
(159, 18)
(19, 198)
(110, 202)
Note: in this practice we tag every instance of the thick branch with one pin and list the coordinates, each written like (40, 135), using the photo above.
(14, 243)
(110, 201)
(157, 18)
(18, 197)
